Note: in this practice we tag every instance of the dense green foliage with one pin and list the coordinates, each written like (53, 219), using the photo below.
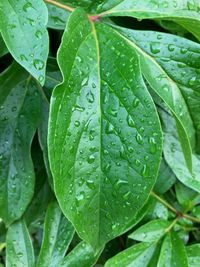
(99, 133)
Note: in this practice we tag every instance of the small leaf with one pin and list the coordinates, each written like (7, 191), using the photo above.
(82, 255)
(173, 252)
(58, 233)
(22, 26)
(96, 139)
(19, 118)
(19, 249)
(193, 254)
(186, 196)
(135, 256)
(151, 231)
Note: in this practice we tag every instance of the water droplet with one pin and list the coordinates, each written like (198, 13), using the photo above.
(171, 47)
(130, 121)
(41, 78)
(91, 159)
(183, 50)
(84, 81)
(153, 145)
(136, 102)
(38, 34)
(23, 57)
(155, 48)
(38, 64)
(139, 139)
(90, 184)
(27, 6)
(109, 128)
(77, 123)
(90, 97)
(192, 81)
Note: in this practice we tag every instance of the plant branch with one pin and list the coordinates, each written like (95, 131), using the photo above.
(63, 6)
(70, 9)
(178, 213)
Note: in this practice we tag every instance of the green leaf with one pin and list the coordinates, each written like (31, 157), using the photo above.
(82, 255)
(173, 253)
(19, 118)
(164, 62)
(3, 48)
(23, 28)
(186, 196)
(135, 256)
(193, 254)
(174, 157)
(53, 78)
(96, 141)
(19, 249)
(185, 13)
(58, 233)
(57, 17)
(151, 231)
(166, 178)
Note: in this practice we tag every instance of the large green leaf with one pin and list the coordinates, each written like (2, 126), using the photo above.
(193, 254)
(150, 232)
(82, 255)
(19, 116)
(185, 13)
(19, 250)
(164, 61)
(58, 233)
(173, 252)
(23, 27)
(104, 157)
(135, 256)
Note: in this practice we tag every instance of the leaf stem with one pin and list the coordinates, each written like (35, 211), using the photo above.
(178, 213)
(63, 6)
(71, 9)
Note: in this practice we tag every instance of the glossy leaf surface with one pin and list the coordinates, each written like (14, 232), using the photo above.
(19, 117)
(193, 254)
(82, 255)
(151, 231)
(185, 13)
(173, 252)
(97, 142)
(58, 233)
(25, 34)
(19, 247)
(175, 159)
(164, 65)
(135, 256)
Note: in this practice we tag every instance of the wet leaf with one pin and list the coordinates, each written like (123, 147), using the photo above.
(150, 232)
(58, 233)
(19, 248)
(97, 142)
(185, 13)
(19, 118)
(25, 34)
(173, 252)
(135, 256)
(165, 60)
